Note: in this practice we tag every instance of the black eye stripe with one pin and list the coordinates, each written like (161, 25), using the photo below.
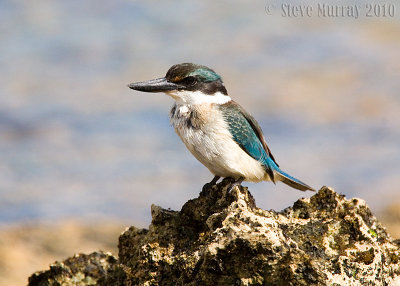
(207, 87)
(189, 80)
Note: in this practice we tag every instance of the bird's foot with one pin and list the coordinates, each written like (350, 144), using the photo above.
(235, 183)
(214, 180)
(212, 183)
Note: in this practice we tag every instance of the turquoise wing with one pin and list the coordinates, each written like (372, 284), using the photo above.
(246, 133)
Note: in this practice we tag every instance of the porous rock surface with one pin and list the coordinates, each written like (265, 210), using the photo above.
(81, 269)
(222, 238)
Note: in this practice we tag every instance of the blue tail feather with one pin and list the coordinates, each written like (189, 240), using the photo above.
(289, 180)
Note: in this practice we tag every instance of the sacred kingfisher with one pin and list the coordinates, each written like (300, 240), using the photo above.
(217, 131)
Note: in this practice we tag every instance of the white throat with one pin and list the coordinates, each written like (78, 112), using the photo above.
(185, 97)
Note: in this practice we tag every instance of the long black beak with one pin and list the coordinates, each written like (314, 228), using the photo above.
(155, 85)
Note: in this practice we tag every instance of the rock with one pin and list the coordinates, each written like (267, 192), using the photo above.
(80, 269)
(222, 238)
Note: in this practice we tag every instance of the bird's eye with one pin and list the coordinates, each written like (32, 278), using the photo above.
(190, 80)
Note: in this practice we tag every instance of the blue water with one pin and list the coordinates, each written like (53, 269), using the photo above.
(76, 142)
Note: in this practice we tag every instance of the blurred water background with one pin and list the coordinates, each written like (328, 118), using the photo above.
(77, 144)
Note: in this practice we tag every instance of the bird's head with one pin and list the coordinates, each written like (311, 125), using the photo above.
(188, 83)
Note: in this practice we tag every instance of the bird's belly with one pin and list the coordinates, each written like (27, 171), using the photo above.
(214, 147)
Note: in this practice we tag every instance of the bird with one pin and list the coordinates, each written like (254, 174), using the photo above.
(218, 132)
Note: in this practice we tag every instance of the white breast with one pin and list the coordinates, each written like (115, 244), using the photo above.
(206, 135)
